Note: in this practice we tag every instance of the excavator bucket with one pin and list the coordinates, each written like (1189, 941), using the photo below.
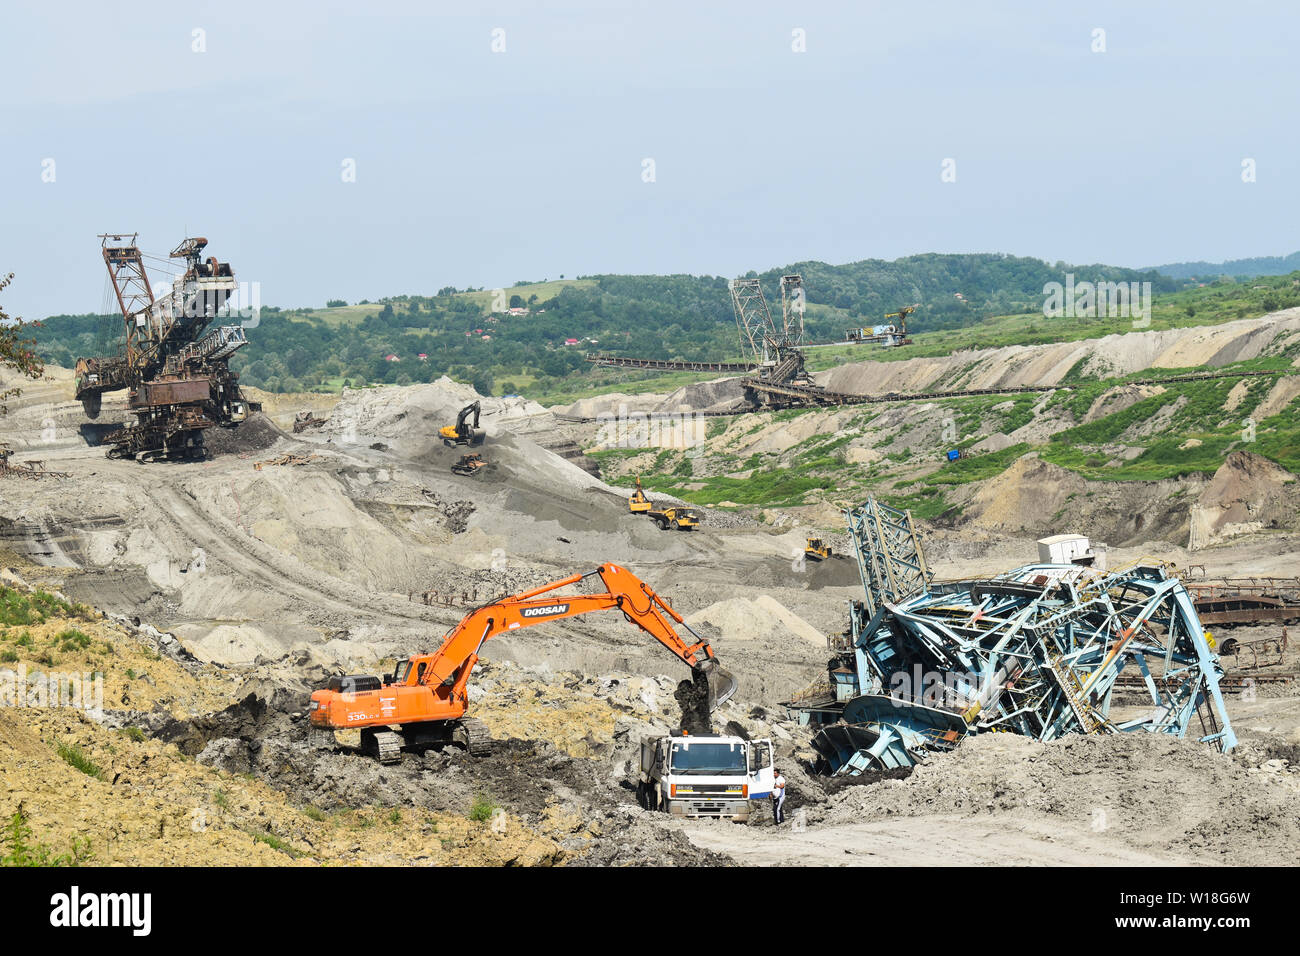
(722, 683)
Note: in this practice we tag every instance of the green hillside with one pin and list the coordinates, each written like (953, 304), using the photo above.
(966, 301)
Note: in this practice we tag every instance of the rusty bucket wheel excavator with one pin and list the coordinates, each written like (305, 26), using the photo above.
(175, 369)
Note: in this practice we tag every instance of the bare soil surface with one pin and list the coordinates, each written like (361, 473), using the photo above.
(233, 591)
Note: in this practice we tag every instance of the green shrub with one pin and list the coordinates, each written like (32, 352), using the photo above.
(482, 809)
(73, 640)
(75, 757)
(21, 849)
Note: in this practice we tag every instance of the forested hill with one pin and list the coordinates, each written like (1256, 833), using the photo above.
(678, 316)
(1238, 268)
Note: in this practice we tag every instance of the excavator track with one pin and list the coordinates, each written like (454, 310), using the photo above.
(384, 745)
(473, 735)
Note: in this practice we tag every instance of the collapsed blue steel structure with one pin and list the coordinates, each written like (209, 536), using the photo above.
(1033, 651)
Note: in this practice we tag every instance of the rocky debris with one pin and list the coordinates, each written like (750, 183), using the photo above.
(529, 779)
(138, 801)
(456, 513)
(692, 697)
(162, 641)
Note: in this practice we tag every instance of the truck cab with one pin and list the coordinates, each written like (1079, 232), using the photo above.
(711, 776)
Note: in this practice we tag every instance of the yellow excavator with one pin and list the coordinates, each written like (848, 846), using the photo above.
(464, 433)
(639, 504)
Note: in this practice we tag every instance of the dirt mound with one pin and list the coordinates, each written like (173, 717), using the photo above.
(406, 419)
(245, 720)
(1280, 396)
(256, 433)
(1110, 355)
(1150, 790)
(1117, 399)
(718, 395)
(611, 403)
(745, 619)
(1035, 497)
(1248, 493)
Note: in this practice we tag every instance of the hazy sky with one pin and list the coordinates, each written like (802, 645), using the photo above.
(476, 167)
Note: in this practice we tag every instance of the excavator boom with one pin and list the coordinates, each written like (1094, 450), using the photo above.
(433, 687)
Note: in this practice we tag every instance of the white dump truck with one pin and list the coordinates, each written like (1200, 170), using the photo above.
(704, 776)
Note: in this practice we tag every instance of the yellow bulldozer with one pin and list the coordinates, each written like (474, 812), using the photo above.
(817, 550)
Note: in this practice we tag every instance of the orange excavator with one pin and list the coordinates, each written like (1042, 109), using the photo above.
(423, 703)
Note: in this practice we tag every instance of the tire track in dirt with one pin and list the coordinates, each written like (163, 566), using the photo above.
(274, 570)
(925, 841)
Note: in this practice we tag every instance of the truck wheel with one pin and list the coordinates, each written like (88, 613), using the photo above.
(642, 798)
(676, 526)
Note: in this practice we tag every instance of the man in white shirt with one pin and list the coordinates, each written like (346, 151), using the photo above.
(778, 798)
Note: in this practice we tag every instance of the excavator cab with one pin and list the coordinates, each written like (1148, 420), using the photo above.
(638, 503)
(463, 432)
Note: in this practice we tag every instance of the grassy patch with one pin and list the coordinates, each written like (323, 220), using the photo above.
(75, 757)
(22, 607)
(276, 843)
(975, 468)
(72, 640)
(482, 809)
(769, 486)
